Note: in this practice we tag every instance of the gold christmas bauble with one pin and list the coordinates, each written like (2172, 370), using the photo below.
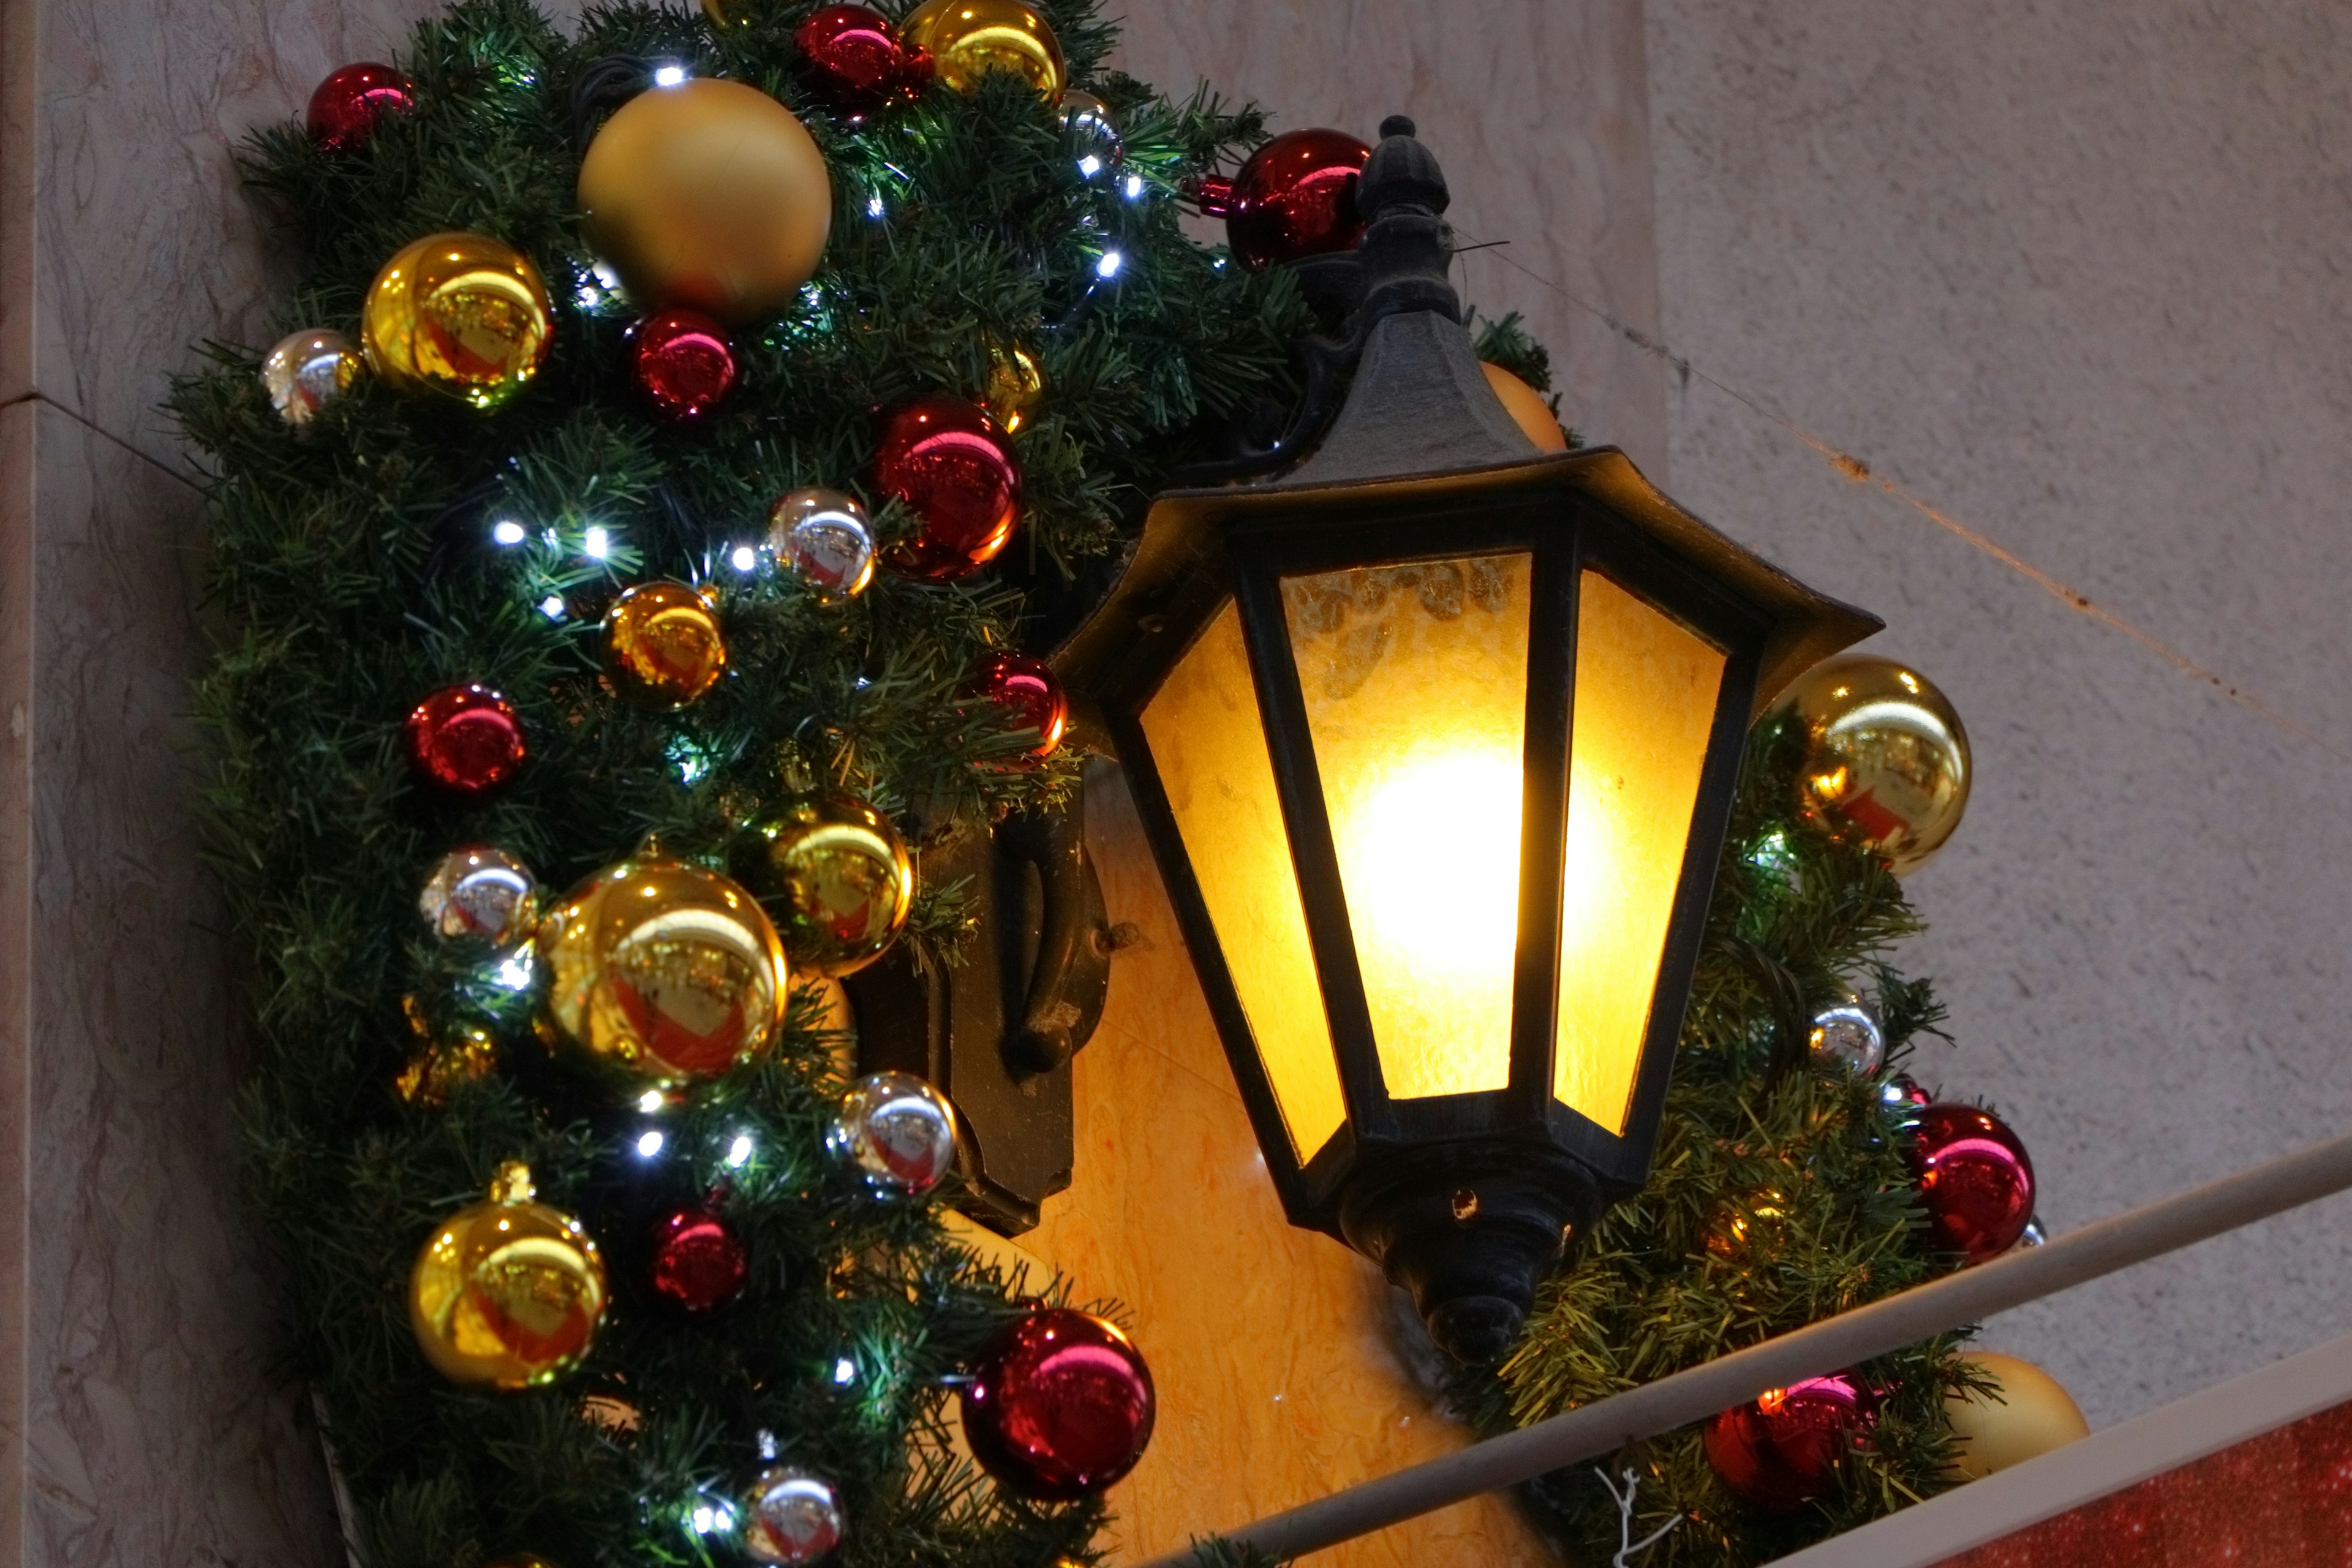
(707, 194)
(459, 314)
(966, 39)
(1016, 382)
(2032, 1416)
(1886, 760)
(729, 12)
(508, 1292)
(1526, 408)
(660, 974)
(836, 874)
(445, 1060)
(663, 645)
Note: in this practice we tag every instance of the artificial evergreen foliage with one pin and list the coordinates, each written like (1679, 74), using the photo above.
(354, 571)
(1780, 1196)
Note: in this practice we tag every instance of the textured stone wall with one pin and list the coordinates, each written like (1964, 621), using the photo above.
(2075, 275)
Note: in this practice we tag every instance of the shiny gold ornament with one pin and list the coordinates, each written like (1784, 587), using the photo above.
(660, 974)
(663, 645)
(966, 39)
(527, 1560)
(1750, 1227)
(443, 1061)
(2032, 1416)
(307, 371)
(1016, 382)
(730, 13)
(1886, 764)
(508, 1292)
(707, 194)
(1528, 408)
(459, 314)
(837, 875)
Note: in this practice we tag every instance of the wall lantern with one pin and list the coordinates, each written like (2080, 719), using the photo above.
(1436, 738)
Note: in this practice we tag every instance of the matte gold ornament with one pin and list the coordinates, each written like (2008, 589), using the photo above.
(1528, 408)
(661, 974)
(662, 644)
(459, 314)
(709, 195)
(445, 1060)
(2032, 1416)
(1886, 764)
(836, 876)
(966, 39)
(1016, 382)
(507, 1293)
(307, 371)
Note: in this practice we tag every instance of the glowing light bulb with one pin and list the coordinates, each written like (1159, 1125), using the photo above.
(551, 606)
(1109, 264)
(745, 558)
(844, 1372)
(508, 532)
(739, 1152)
(1089, 167)
(650, 1101)
(874, 207)
(649, 1146)
(598, 543)
(1134, 187)
(669, 76)
(514, 973)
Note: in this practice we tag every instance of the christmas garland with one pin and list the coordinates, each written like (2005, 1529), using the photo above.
(633, 561)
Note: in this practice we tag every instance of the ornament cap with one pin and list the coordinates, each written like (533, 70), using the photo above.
(513, 1184)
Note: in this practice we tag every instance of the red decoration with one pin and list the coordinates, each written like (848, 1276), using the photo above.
(345, 107)
(1975, 1180)
(854, 58)
(697, 1263)
(1028, 687)
(684, 364)
(1059, 1406)
(1781, 1451)
(1295, 196)
(466, 740)
(945, 459)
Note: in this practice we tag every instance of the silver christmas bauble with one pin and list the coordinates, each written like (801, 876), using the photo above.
(898, 1129)
(2033, 1234)
(307, 371)
(790, 1517)
(1847, 1036)
(823, 536)
(480, 892)
(1092, 130)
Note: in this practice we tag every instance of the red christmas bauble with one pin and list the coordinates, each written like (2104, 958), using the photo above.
(345, 107)
(1295, 196)
(466, 740)
(1059, 1406)
(684, 364)
(855, 59)
(1026, 687)
(1975, 1180)
(1781, 1451)
(947, 460)
(697, 1263)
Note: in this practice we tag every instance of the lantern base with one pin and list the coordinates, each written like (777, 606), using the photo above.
(1469, 1229)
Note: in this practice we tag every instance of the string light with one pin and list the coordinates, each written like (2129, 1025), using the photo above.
(745, 558)
(874, 207)
(669, 76)
(552, 606)
(507, 531)
(514, 972)
(649, 1146)
(598, 543)
(1134, 187)
(739, 1152)
(1089, 167)
(650, 1101)
(845, 1373)
(1109, 264)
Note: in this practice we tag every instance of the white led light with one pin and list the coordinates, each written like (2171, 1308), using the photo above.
(669, 76)
(650, 1101)
(1089, 167)
(514, 973)
(739, 1150)
(599, 544)
(507, 531)
(874, 207)
(1109, 266)
(745, 558)
(649, 1146)
(705, 1520)
(551, 606)
(844, 1372)
(1134, 187)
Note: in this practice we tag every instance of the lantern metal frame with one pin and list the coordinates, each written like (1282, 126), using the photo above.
(1466, 1199)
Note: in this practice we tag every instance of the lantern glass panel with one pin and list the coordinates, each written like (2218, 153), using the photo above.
(1646, 688)
(1208, 747)
(1415, 680)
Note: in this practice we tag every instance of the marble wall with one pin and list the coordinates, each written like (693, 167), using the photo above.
(2076, 275)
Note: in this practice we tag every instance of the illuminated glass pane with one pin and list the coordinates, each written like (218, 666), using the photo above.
(1209, 747)
(1416, 684)
(1645, 698)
